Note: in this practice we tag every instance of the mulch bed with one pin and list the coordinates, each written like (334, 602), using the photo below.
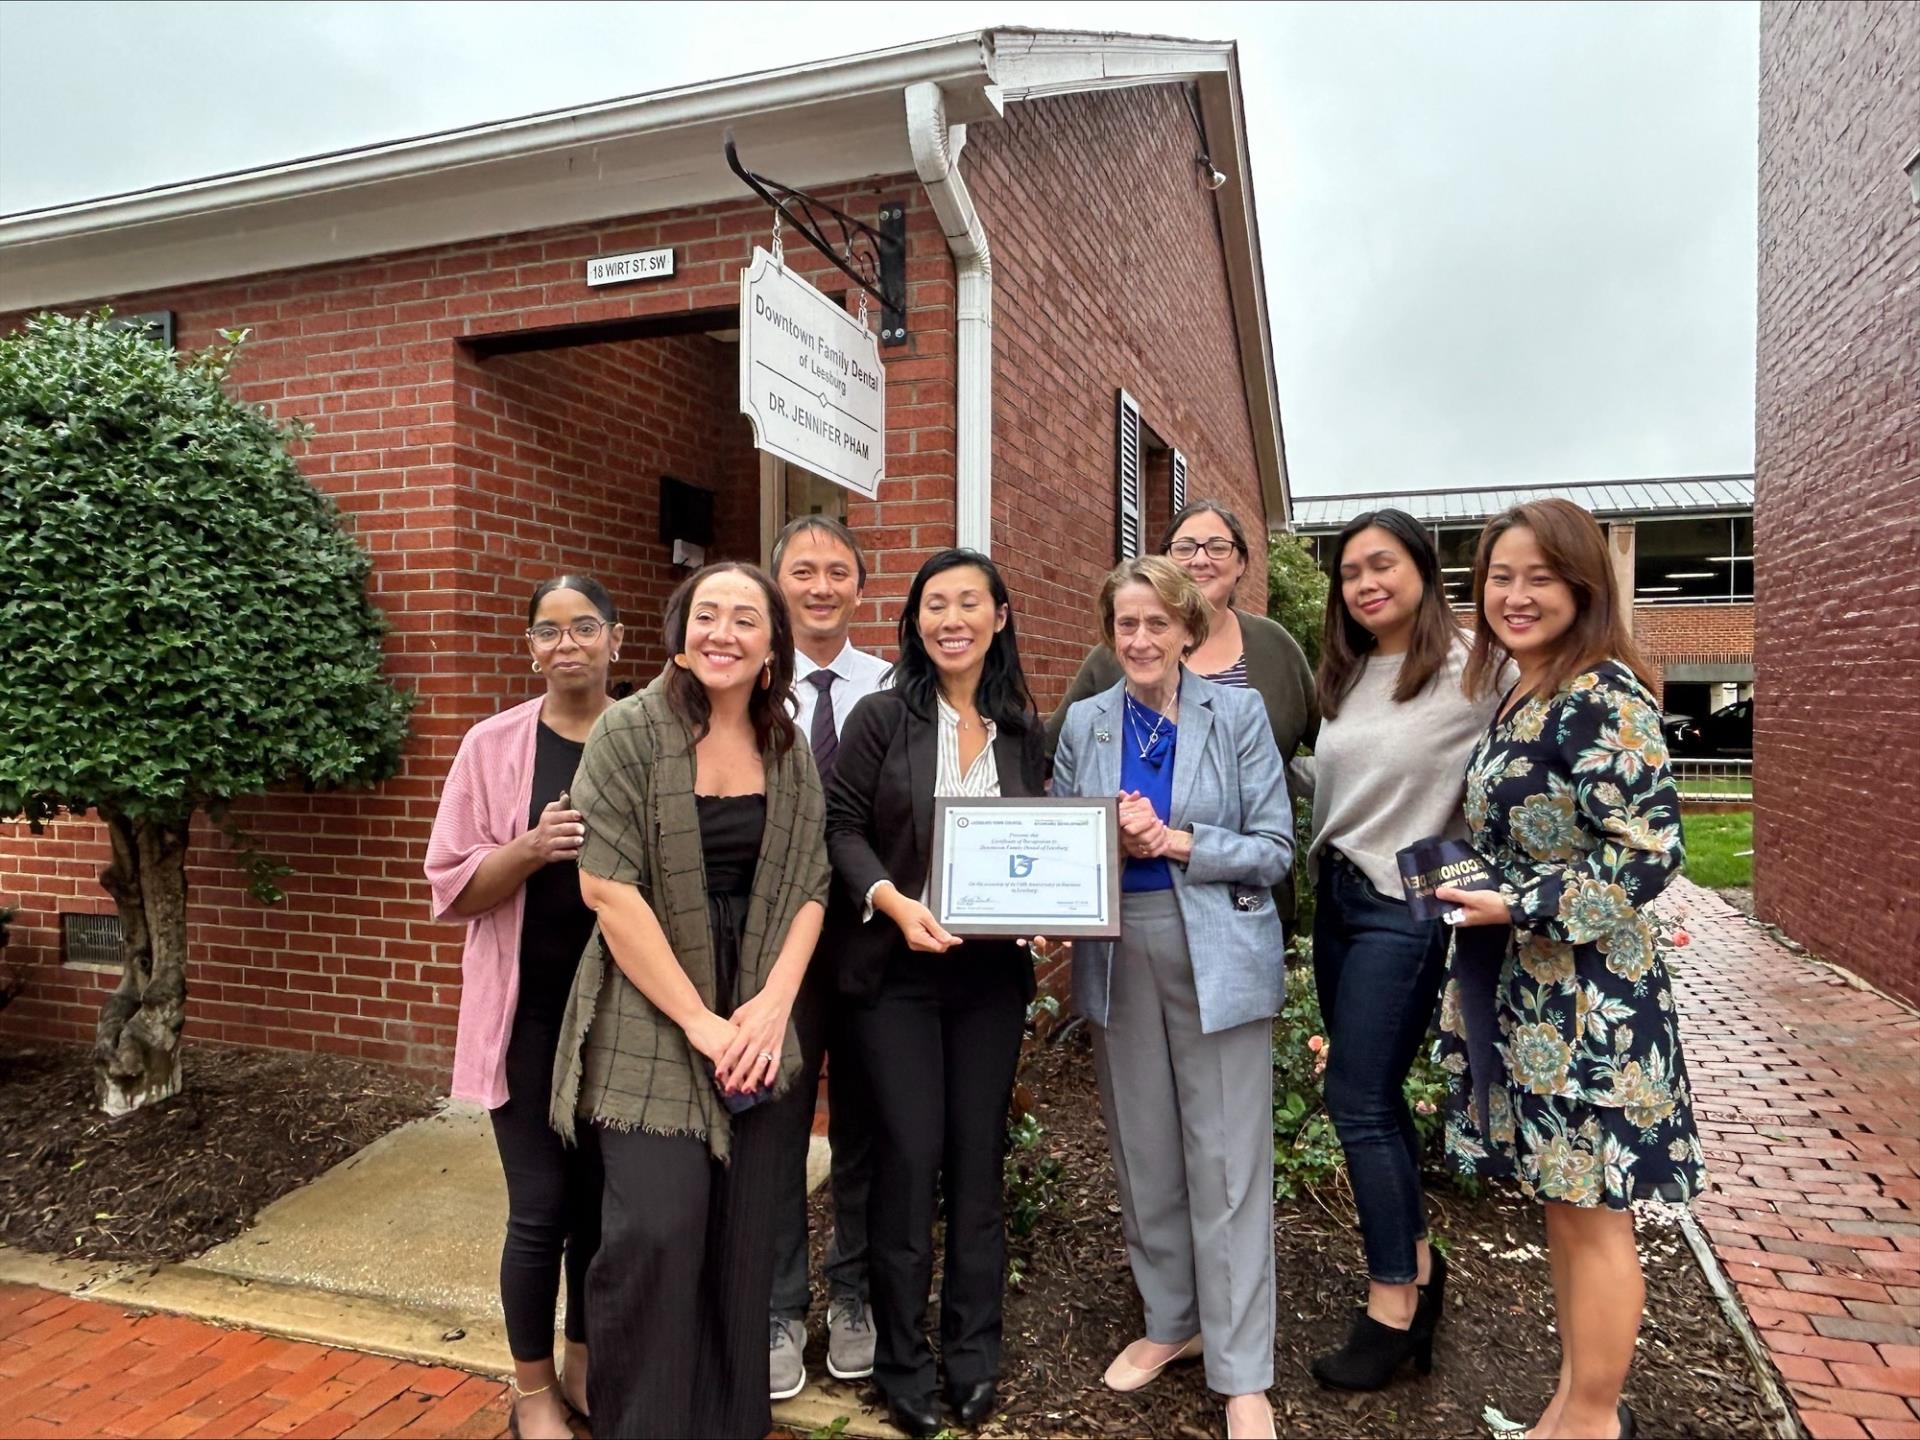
(172, 1179)
(1077, 1308)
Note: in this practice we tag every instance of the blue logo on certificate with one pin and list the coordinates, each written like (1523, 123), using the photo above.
(1019, 866)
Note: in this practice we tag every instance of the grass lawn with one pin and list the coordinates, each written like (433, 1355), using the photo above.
(1712, 840)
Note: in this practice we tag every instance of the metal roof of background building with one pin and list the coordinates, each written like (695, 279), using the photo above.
(1608, 499)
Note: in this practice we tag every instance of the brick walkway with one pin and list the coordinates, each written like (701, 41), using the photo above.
(81, 1368)
(1809, 1105)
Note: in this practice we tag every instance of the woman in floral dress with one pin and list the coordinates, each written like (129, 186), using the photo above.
(1559, 1029)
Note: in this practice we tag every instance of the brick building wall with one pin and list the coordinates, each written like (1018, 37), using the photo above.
(1694, 634)
(1837, 513)
(1108, 274)
(438, 461)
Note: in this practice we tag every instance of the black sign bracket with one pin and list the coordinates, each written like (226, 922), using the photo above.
(873, 258)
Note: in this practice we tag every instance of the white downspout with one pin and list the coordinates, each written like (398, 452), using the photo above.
(936, 153)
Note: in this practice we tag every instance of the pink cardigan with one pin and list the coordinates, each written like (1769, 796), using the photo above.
(484, 806)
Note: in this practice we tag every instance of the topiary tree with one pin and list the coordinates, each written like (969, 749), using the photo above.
(187, 624)
(1296, 591)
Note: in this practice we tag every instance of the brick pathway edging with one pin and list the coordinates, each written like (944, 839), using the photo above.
(1807, 1093)
(1780, 1411)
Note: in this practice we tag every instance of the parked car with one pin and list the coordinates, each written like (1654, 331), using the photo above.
(1728, 732)
(1682, 734)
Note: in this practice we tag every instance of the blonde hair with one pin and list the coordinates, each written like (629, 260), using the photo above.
(1170, 583)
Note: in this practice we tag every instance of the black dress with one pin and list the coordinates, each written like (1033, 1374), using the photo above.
(683, 1288)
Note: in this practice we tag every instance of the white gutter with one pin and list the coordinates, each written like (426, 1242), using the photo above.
(956, 59)
(936, 154)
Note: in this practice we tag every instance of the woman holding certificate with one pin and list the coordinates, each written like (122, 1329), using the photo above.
(938, 1021)
(1183, 1003)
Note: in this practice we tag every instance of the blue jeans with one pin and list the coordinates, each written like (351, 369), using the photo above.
(1379, 972)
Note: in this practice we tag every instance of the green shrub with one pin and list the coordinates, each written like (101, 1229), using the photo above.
(1306, 1151)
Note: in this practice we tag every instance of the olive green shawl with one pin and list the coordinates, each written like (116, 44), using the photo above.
(621, 1063)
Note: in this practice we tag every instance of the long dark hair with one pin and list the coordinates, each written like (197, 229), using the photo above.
(1002, 695)
(767, 707)
(1345, 643)
(1576, 550)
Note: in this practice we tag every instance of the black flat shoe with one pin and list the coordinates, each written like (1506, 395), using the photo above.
(915, 1414)
(1627, 1428)
(973, 1403)
(1372, 1354)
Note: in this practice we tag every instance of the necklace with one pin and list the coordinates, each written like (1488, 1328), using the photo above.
(1134, 707)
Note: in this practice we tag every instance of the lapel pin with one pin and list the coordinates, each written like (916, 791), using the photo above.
(1103, 736)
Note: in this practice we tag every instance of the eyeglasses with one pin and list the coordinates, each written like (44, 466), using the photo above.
(1218, 548)
(584, 632)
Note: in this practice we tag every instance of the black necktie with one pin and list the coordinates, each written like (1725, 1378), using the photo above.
(825, 738)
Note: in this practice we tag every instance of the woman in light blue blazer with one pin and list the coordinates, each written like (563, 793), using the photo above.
(1183, 1003)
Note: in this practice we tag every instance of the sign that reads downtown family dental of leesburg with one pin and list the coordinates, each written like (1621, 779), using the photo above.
(810, 378)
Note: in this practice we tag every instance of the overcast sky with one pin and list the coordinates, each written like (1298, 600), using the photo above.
(1505, 244)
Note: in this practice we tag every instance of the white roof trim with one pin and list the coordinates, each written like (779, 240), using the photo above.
(814, 124)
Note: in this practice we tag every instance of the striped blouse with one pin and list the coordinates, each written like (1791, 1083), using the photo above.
(1234, 675)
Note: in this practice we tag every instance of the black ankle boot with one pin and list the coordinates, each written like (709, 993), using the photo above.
(1372, 1354)
(1433, 1297)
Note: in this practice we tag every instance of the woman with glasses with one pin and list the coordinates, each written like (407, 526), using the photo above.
(502, 859)
(1242, 650)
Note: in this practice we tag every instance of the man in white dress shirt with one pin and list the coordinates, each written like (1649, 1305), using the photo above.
(821, 572)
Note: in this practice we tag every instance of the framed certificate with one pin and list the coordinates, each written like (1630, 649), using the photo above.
(1017, 867)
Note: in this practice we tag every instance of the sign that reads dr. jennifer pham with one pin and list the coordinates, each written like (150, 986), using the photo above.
(810, 378)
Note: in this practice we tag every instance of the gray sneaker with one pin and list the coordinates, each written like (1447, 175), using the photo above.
(849, 1339)
(786, 1346)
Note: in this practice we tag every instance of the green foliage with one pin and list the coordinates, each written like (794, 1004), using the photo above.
(1033, 1179)
(187, 621)
(1714, 842)
(832, 1430)
(1306, 1151)
(1296, 591)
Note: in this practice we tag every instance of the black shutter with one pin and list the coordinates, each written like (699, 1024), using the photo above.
(1179, 486)
(1127, 463)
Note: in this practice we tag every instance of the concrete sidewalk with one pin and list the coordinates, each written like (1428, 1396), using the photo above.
(394, 1251)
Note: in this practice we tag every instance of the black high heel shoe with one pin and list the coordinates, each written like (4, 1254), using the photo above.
(1373, 1353)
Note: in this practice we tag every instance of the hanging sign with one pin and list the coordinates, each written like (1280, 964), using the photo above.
(638, 265)
(811, 380)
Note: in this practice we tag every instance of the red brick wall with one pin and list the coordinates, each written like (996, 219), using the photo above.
(1694, 634)
(445, 467)
(1108, 274)
(1837, 515)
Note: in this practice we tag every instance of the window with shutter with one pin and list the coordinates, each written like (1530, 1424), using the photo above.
(1129, 541)
(1178, 484)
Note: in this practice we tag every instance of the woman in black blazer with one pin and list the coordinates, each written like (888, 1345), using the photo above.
(939, 1033)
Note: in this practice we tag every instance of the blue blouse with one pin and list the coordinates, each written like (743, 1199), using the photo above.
(1151, 775)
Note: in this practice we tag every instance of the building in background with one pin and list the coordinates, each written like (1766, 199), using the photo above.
(1085, 338)
(1837, 512)
(1683, 549)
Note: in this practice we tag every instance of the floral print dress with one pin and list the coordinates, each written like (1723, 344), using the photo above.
(1570, 801)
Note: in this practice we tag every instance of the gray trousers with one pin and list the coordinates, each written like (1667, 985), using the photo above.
(819, 1020)
(1190, 1123)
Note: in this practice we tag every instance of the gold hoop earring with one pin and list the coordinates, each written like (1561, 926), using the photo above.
(536, 667)
(766, 676)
